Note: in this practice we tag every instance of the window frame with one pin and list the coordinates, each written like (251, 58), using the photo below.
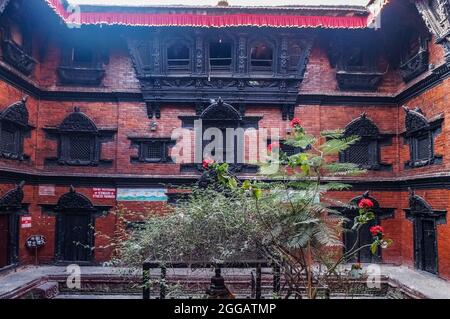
(261, 69)
(65, 155)
(175, 68)
(221, 69)
(17, 137)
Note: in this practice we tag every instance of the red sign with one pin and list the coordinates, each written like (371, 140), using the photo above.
(109, 193)
(25, 222)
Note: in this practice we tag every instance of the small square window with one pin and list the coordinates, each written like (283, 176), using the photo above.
(154, 152)
(82, 57)
(80, 148)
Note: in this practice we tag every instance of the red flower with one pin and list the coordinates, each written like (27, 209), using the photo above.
(207, 162)
(376, 231)
(295, 122)
(365, 203)
(272, 146)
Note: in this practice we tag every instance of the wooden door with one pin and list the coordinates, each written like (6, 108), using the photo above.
(76, 237)
(428, 249)
(5, 243)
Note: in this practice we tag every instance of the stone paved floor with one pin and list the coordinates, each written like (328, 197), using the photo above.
(425, 283)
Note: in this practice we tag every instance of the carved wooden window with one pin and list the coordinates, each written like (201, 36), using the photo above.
(419, 135)
(220, 55)
(79, 141)
(364, 152)
(16, 40)
(9, 138)
(296, 52)
(13, 128)
(179, 57)
(261, 56)
(82, 64)
(152, 150)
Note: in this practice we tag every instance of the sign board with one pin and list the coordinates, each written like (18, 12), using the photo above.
(47, 190)
(35, 241)
(102, 193)
(142, 194)
(25, 222)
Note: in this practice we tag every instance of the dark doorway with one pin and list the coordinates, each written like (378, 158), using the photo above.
(76, 236)
(351, 239)
(426, 245)
(4, 240)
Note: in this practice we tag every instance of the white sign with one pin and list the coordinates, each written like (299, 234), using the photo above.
(142, 194)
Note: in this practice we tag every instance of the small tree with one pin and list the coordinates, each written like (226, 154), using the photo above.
(288, 221)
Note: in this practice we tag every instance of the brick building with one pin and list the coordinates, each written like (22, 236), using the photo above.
(90, 96)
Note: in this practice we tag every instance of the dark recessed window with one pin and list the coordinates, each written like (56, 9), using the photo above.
(81, 148)
(82, 57)
(13, 129)
(9, 139)
(79, 144)
(420, 135)
(261, 57)
(152, 150)
(220, 55)
(178, 57)
(365, 152)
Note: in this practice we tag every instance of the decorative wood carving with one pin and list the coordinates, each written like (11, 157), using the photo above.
(355, 58)
(16, 56)
(280, 87)
(366, 151)
(80, 76)
(416, 64)
(79, 141)
(73, 201)
(419, 207)
(14, 128)
(436, 15)
(420, 135)
(219, 114)
(12, 200)
(3, 5)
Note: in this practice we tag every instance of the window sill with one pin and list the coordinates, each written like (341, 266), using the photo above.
(69, 75)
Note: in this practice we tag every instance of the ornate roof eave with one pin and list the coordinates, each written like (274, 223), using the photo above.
(225, 17)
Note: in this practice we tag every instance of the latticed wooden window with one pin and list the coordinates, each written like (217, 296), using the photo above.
(154, 152)
(81, 148)
(8, 141)
(359, 154)
(363, 153)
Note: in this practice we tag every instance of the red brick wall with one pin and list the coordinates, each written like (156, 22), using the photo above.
(130, 119)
